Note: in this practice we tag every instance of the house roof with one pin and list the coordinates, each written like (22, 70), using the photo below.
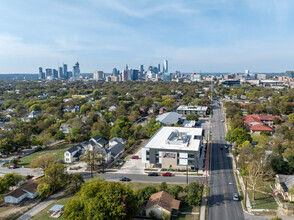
(56, 208)
(117, 148)
(169, 118)
(259, 118)
(164, 200)
(260, 127)
(74, 148)
(99, 140)
(286, 181)
(31, 186)
(118, 140)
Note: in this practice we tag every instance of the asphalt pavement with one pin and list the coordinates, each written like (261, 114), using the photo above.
(145, 178)
(221, 181)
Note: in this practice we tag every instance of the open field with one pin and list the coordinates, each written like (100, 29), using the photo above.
(57, 150)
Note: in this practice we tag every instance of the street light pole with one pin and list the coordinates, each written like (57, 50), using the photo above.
(246, 192)
(187, 175)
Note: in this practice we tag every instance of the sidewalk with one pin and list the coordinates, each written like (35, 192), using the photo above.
(42, 205)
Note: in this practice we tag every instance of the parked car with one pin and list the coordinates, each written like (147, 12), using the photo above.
(167, 174)
(236, 197)
(135, 157)
(18, 157)
(125, 179)
(12, 167)
(153, 174)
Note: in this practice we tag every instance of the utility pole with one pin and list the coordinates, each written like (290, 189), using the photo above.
(187, 176)
(246, 192)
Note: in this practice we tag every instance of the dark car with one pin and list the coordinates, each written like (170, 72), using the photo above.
(12, 167)
(167, 174)
(18, 157)
(125, 179)
(153, 174)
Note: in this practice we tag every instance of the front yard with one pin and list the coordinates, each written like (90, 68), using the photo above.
(57, 150)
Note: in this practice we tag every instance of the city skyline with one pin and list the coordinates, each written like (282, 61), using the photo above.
(194, 36)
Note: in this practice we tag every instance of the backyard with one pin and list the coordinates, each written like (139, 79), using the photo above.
(57, 150)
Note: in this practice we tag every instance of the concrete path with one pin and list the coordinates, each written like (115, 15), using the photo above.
(42, 205)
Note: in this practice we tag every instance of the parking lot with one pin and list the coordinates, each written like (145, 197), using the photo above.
(133, 166)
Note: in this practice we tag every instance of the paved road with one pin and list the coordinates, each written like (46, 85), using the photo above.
(222, 182)
(42, 205)
(145, 178)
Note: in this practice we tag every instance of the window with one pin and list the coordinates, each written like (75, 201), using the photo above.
(191, 162)
(191, 155)
(147, 155)
(67, 159)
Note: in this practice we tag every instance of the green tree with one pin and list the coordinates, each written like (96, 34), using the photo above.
(192, 117)
(194, 193)
(175, 190)
(152, 127)
(291, 117)
(43, 161)
(99, 199)
(238, 136)
(74, 183)
(163, 186)
(145, 193)
(54, 179)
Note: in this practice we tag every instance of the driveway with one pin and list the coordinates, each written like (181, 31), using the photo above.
(133, 166)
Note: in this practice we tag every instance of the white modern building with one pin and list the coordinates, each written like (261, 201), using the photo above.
(174, 148)
(192, 109)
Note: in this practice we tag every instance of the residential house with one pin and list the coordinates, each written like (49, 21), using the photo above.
(65, 128)
(162, 110)
(260, 123)
(169, 118)
(112, 108)
(143, 109)
(73, 153)
(28, 190)
(116, 147)
(75, 109)
(152, 110)
(34, 114)
(283, 183)
(99, 141)
(162, 202)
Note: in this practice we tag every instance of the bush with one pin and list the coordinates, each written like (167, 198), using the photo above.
(194, 193)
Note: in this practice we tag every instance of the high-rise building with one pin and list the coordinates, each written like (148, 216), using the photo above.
(99, 75)
(127, 67)
(165, 66)
(166, 77)
(134, 74)
(158, 67)
(65, 73)
(114, 72)
(54, 74)
(41, 73)
(125, 75)
(48, 73)
(141, 69)
(76, 71)
(60, 72)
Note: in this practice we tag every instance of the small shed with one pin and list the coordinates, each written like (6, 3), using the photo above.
(56, 211)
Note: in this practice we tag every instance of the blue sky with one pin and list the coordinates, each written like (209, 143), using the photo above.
(193, 35)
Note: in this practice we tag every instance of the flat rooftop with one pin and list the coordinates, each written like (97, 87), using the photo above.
(164, 139)
(192, 107)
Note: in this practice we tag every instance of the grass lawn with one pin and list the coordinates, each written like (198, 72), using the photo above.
(44, 215)
(262, 201)
(57, 150)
